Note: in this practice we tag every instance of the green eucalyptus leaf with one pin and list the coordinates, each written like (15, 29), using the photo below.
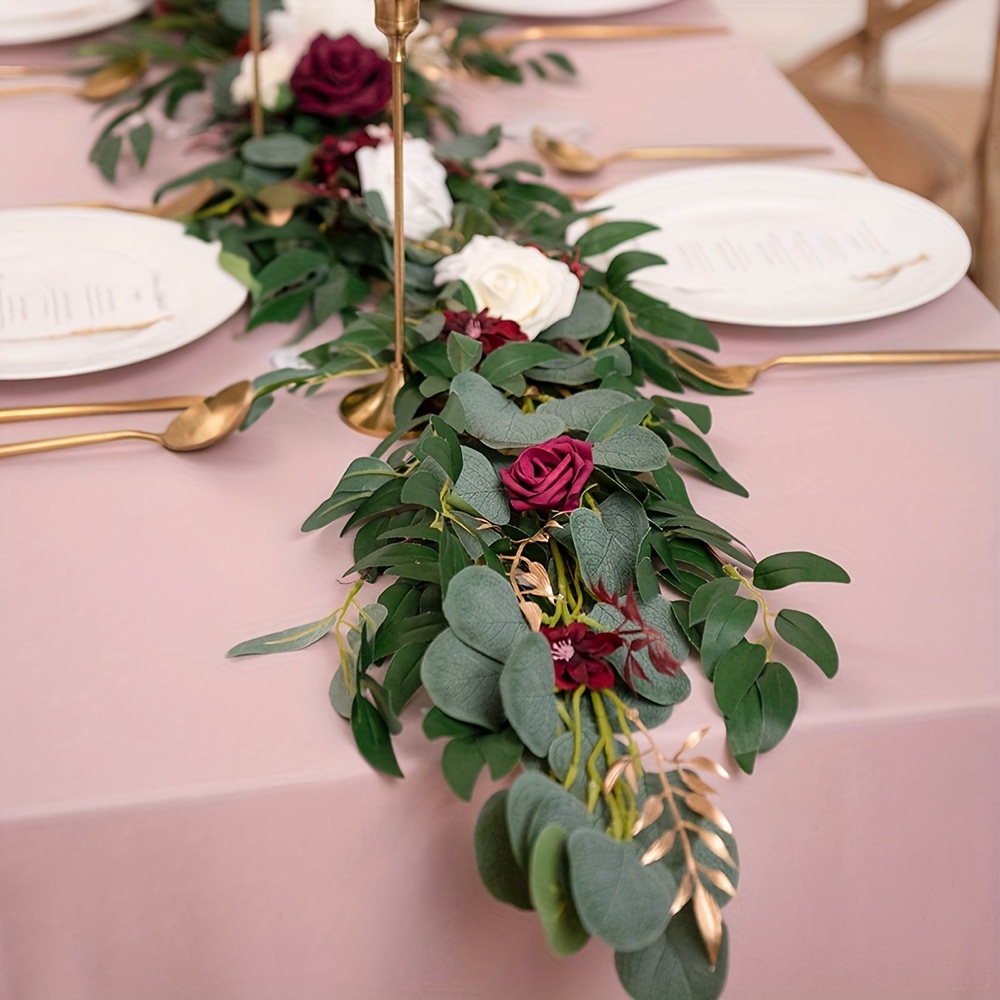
(535, 802)
(582, 411)
(516, 357)
(503, 752)
(498, 868)
(462, 763)
(371, 733)
(463, 682)
(607, 545)
(632, 449)
(676, 958)
(784, 568)
(744, 730)
(402, 677)
(708, 595)
(439, 726)
(286, 640)
(620, 900)
(629, 414)
(805, 633)
(526, 689)
(548, 882)
(140, 139)
(607, 235)
(341, 697)
(281, 149)
(591, 317)
(495, 420)
(480, 487)
(735, 674)
(483, 612)
(463, 352)
(725, 626)
(779, 699)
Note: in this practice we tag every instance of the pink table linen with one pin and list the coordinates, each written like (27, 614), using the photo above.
(177, 825)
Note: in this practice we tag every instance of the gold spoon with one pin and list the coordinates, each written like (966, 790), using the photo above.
(201, 425)
(597, 32)
(100, 86)
(9, 416)
(572, 159)
(743, 376)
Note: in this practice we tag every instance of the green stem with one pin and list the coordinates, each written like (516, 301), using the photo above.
(577, 727)
(765, 612)
(614, 802)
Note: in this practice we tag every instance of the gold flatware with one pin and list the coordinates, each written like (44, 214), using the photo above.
(572, 159)
(10, 72)
(9, 416)
(182, 205)
(597, 32)
(202, 424)
(743, 376)
(100, 86)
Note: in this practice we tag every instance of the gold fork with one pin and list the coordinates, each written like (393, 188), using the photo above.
(744, 376)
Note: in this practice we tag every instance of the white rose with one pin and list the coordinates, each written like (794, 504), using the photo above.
(291, 31)
(427, 205)
(277, 63)
(513, 282)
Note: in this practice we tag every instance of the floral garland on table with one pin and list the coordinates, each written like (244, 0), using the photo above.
(528, 510)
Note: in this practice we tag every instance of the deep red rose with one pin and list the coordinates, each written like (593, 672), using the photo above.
(488, 330)
(339, 76)
(336, 154)
(550, 476)
(579, 656)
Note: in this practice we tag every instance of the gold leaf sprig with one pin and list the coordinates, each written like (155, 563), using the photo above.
(693, 791)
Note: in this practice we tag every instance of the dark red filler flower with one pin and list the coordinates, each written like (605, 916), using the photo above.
(340, 76)
(550, 476)
(336, 153)
(488, 330)
(579, 655)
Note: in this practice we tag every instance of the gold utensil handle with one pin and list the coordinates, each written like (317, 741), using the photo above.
(73, 441)
(718, 152)
(96, 409)
(39, 88)
(886, 358)
(601, 32)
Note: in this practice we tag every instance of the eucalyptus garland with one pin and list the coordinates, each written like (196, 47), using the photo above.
(525, 548)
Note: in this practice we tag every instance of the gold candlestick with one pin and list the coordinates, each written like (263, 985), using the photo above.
(370, 410)
(256, 107)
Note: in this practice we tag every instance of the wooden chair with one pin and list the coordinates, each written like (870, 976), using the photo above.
(904, 149)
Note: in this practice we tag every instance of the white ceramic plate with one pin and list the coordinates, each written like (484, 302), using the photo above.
(559, 8)
(24, 22)
(66, 272)
(788, 246)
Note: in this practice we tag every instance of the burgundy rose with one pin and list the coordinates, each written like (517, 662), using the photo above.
(489, 331)
(339, 76)
(336, 153)
(550, 476)
(579, 656)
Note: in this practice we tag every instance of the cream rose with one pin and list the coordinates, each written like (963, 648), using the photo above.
(513, 282)
(289, 32)
(427, 205)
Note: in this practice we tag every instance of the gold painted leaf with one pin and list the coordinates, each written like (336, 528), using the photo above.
(533, 614)
(683, 895)
(720, 880)
(708, 917)
(631, 777)
(714, 843)
(659, 848)
(694, 782)
(652, 810)
(615, 772)
(708, 765)
(701, 805)
(693, 740)
(536, 578)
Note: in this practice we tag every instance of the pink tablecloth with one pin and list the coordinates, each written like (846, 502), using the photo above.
(176, 826)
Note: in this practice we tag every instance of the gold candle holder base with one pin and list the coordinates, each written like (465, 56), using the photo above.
(370, 408)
